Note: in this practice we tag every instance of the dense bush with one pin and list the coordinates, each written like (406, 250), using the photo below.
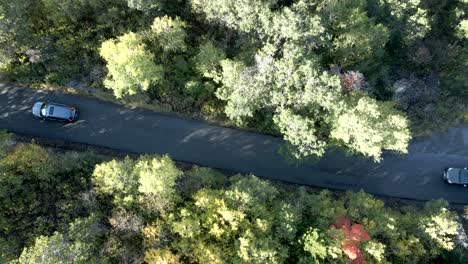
(40, 193)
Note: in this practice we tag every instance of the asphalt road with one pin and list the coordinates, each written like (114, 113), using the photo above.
(416, 175)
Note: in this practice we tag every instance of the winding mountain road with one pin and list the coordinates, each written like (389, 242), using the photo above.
(416, 175)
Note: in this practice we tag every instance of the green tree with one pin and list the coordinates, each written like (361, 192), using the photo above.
(169, 35)
(410, 235)
(80, 244)
(367, 127)
(148, 181)
(207, 60)
(355, 37)
(462, 29)
(5, 142)
(314, 245)
(239, 224)
(440, 224)
(131, 66)
(309, 107)
(21, 21)
(198, 178)
(157, 256)
(241, 91)
(116, 178)
(299, 23)
(54, 40)
(406, 18)
(245, 16)
(157, 181)
(37, 194)
(300, 133)
(146, 5)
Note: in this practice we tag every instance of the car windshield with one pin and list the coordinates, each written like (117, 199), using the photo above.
(463, 176)
(44, 109)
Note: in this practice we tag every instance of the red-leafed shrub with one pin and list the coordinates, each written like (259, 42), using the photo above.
(353, 235)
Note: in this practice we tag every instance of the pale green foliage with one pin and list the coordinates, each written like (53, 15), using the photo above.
(314, 245)
(321, 245)
(246, 16)
(248, 193)
(116, 178)
(309, 108)
(253, 250)
(300, 132)
(240, 90)
(462, 29)
(289, 217)
(307, 104)
(78, 245)
(145, 5)
(439, 227)
(130, 65)
(155, 173)
(208, 58)
(440, 224)
(242, 221)
(161, 256)
(169, 34)
(157, 179)
(366, 127)
(149, 181)
(376, 250)
(298, 23)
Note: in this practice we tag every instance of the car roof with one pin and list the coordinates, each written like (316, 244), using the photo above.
(459, 175)
(58, 110)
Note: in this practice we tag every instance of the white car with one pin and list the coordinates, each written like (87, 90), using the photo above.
(456, 176)
(54, 111)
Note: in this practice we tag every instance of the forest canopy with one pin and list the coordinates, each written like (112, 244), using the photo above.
(79, 207)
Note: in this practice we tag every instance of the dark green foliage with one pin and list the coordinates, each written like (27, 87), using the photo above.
(200, 177)
(39, 192)
(56, 41)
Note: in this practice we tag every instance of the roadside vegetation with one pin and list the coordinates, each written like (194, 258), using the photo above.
(78, 207)
(361, 76)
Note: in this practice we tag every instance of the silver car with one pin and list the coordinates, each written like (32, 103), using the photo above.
(55, 111)
(456, 176)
